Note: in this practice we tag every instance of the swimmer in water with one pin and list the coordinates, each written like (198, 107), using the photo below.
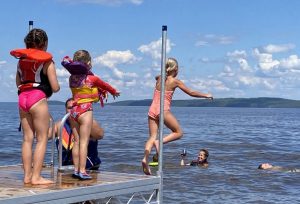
(200, 161)
(268, 166)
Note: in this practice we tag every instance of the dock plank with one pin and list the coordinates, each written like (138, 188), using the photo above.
(67, 189)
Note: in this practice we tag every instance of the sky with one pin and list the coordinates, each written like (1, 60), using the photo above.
(230, 48)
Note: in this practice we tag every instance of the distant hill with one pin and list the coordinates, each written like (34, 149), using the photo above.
(262, 102)
(56, 103)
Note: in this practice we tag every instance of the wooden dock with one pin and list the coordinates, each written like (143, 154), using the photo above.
(69, 190)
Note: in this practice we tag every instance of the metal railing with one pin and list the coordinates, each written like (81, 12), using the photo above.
(52, 133)
(62, 123)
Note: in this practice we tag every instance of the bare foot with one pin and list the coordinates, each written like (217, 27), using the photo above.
(41, 181)
(146, 168)
(27, 179)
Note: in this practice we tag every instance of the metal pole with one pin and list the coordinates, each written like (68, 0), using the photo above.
(52, 133)
(30, 25)
(161, 115)
(62, 123)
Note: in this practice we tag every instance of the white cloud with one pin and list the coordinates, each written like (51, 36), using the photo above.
(249, 80)
(120, 75)
(271, 48)
(292, 62)
(116, 83)
(265, 60)
(130, 83)
(227, 72)
(237, 54)
(244, 64)
(210, 39)
(202, 85)
(201, 43)
(148, 80)
(2, 63)
(259, 83)
(148, 75)
(113, 57)
(12, 77)
(149, 83)
(268, 84)
(62, 73)
(154, 48)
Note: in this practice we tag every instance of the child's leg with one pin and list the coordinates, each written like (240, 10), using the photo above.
(153, 127)
(171, 122)
(85, 121)
(40, 116)
(28, 135)
(75, 149)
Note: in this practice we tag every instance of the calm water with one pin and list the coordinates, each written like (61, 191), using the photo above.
(238, 139)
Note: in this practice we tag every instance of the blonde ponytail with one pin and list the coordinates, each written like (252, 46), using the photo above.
(171, 65)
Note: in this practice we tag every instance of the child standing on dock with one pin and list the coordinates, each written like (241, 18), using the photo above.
(85, 88)
(97, 133)
(171, 83)
(36, 80)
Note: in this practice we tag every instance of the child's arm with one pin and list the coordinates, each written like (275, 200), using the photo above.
(103, 85)
(51, 74)
(191, 92)
(18, 80)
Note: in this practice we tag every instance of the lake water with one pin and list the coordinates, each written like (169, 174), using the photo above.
(238, 139)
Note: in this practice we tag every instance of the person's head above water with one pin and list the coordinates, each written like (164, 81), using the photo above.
(203, 155)
(265, 166)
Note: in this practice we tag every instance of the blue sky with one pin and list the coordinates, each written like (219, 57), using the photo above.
(231, 48)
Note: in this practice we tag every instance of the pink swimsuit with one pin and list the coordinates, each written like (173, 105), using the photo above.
(154, 109)
(80, 109)
(30, 97)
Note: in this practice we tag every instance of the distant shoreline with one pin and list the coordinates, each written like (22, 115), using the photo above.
(261, 102)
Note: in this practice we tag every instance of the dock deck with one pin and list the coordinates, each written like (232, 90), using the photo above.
(69, 190)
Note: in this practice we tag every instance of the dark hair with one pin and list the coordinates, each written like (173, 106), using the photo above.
(67, 101)
(206, 153)
(36, 38)
(82, 56)
(260, 166)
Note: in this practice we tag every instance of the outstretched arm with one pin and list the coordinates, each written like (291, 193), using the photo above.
(191, 92)
(105, 86)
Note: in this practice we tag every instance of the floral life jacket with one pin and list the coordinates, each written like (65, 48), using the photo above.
(30, 69)
(79, 73)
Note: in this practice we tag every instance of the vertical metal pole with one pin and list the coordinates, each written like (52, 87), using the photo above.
(30, 25)
(52, 133)
(161, 115)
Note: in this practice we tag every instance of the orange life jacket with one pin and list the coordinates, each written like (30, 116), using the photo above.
(30, 69)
